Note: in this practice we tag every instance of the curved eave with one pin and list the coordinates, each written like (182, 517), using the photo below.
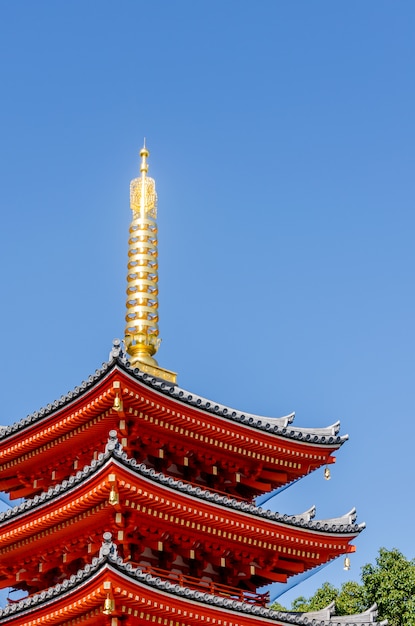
(130, 588)
(343, 526)
(281, 427)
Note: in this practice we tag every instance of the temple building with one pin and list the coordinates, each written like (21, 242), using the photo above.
(137, 498)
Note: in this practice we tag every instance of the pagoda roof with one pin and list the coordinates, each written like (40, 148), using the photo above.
(344, 524)
(281, 426)
(131, 589)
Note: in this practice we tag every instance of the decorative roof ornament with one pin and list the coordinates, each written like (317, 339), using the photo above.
(108, 548)
(142, 333)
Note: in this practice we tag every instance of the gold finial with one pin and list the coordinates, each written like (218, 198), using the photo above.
(142, 333)
(144, 153)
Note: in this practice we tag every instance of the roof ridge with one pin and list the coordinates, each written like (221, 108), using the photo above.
(305, 520)
(114, 449)
(108, 558)
(280, 426)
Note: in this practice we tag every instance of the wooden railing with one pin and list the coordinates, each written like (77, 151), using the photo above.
(224, 591)
(216, 589)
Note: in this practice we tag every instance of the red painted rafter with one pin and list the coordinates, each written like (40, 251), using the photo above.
(181, 430)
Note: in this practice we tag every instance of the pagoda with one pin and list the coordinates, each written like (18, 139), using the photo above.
(137, 498)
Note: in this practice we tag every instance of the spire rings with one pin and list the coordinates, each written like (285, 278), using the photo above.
(142, 284)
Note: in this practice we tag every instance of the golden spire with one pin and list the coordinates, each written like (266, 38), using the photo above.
(142, 333)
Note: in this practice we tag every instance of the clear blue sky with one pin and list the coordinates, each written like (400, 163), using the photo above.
(282, 139)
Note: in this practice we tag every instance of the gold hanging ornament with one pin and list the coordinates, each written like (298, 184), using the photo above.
(113, 498)
(109, 605)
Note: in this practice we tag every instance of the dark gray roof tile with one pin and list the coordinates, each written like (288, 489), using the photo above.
(344, 524)
(108, 559)
(280, 426)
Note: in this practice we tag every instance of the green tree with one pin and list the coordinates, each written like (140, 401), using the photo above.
(391, 584)
(351, 599)
(276, 606)
(322, 598)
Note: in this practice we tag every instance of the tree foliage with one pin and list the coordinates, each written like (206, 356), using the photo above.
(390, 583)
(323, 596)
(276, 606)
(351, 599)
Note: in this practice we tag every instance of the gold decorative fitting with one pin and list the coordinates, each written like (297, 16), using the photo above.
(109, 605)
(143, 197)
(346, 564)
(142, 333)
(113, 497)
(117, 406)
(327, 474)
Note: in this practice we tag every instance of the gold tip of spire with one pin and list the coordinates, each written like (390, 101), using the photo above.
(144, 154)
